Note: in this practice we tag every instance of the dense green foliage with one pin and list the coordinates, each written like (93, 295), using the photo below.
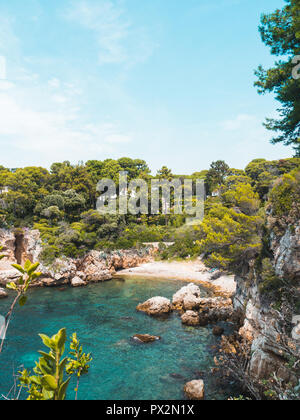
(281, 32)
(61, 205)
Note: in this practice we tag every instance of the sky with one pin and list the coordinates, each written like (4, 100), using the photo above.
(167, 81)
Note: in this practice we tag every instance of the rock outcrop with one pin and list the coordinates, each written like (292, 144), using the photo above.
(187, 297)
(191, 318)
(96, 266)
(261, 326)
(78, 282)
(155, 306)
(204, 311)
(194, 390)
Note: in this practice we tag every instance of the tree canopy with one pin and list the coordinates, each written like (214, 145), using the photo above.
(280, 31)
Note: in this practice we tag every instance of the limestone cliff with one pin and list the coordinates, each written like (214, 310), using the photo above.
(263, 324)
(96, 266)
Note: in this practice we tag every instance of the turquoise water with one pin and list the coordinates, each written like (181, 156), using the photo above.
(104, 317)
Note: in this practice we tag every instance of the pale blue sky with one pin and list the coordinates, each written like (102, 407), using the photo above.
(168, 81)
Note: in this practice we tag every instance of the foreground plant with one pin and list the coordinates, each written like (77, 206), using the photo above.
(28, 275)
(53, 372)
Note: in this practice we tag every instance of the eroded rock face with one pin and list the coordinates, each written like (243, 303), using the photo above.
(194, 390)
(287, 253)
(3, 294)
(191, 302)
(191, 318)
(96, 266)
(189, 294)
(261, 327)
(7, 276)
(296, 333)
(216, 309)
(155, 306)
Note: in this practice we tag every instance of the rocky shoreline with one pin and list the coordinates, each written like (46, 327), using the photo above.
(95, 267)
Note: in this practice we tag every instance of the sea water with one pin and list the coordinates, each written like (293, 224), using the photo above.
(104, 317)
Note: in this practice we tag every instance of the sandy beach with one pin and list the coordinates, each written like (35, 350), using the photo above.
(189, 271)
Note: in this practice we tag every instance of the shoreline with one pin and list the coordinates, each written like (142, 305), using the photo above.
(186, 271)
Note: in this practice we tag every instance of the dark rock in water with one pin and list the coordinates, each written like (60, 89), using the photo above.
(146, 338)
(203, 320)
(62, 289)
(177, 376)
(218, 331)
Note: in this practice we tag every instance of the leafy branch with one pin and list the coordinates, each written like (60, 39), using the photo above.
(49, 382)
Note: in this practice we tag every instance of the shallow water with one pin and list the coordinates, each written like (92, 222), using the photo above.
(104, 317)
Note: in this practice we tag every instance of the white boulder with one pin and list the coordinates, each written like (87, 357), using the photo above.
(155, 306)
(190, 292)
(77, 282)
(194, 390)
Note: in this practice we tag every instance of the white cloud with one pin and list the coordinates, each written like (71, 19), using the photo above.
(237, 123)
(119, 41)
(54, 133)
(54, 83)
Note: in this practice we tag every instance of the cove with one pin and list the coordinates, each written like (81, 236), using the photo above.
(104, 317)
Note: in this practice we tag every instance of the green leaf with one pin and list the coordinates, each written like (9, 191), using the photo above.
(47, 356)
(61, 368)
(27, 265)
(33, 268)
(49, 382)
(35, 275)
(47, 341)
(63, 389)
(23, 300)
(48, 395)
(61, 338)
(19, 268)
(20, 281)
(36, 380)
(2, 256)
(11, 286)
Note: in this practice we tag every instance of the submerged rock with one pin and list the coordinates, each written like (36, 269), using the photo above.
(189, 294)
(190, 318)
(3, 294)
(146, 338)
(194, 390)
(218, 331)
(155, 306)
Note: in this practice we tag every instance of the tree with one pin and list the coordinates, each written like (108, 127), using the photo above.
(281, 32)
(230, 238)
(165, 173)
(216, 175)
